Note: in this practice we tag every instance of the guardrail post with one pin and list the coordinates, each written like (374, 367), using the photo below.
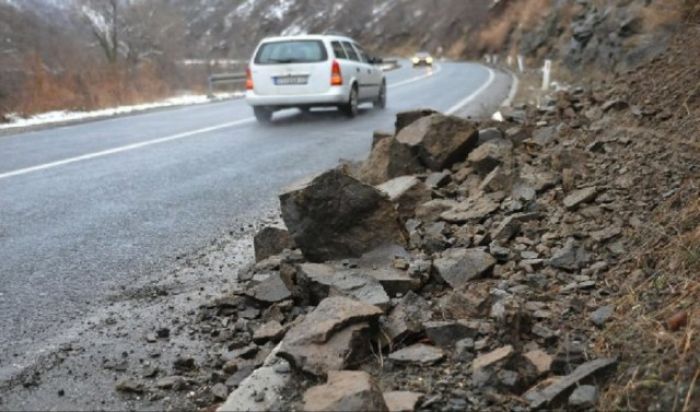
(546, 74)
(521, 63)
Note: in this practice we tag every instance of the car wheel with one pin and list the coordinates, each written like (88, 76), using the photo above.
(263, 115)
(350, 109)
(380, 103)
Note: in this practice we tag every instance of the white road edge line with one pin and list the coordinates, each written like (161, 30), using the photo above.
(468, 99)
(417, 78)
(171, 138)
(513, 90)
(124, 148)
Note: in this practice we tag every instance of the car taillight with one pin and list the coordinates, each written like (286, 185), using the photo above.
(336, 75)
(248, 79)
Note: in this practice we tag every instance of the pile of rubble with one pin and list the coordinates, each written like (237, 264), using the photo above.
(458, 267)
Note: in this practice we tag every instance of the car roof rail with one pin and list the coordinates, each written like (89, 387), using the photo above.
(334, 33)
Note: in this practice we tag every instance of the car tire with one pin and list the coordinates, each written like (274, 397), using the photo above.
(263, 115)
(351, 107)
(380, 103)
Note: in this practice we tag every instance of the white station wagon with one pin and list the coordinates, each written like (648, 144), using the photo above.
(312, 71)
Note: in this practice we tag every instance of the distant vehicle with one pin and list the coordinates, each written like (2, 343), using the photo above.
(312, 71)
(422, 59)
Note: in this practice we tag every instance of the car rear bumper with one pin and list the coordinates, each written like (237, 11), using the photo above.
(335, 96)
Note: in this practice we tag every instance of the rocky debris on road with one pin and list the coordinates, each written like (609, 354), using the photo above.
(478, 278)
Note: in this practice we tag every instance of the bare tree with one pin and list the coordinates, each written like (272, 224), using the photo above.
(104, 19)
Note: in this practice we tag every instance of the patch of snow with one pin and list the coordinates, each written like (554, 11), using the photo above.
(245, 8)
(279, 10)
(61, 116)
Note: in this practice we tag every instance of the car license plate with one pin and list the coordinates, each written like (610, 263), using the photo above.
(291, 80)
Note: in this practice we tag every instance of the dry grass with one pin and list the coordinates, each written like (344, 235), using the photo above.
(95, 87)
(662, 361)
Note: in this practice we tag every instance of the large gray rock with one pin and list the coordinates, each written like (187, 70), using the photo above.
(323, 280)
(406, 192)
(332, 337)
(345, 391)
(406, 118)
(271, 241)
(440, 141)
(557, 391)
(457, 266)
(389, 159)
(334, 216)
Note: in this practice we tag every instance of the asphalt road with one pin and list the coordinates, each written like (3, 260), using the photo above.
(88, 208)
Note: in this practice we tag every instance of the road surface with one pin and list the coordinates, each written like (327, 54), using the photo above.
(89, 208)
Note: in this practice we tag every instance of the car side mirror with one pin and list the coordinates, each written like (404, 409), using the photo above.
(376, 60)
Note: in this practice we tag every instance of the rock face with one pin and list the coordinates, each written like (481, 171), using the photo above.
(332, 337)
(345, 391)
(440, 141)
(271, 241)
(334, 216)
(459, 266)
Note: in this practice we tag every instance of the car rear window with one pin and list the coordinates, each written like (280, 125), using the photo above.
(293, 51)
(352, 54)
(338, 50)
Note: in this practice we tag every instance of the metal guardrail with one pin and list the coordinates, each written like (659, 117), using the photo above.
(232, 78)
(224, 78)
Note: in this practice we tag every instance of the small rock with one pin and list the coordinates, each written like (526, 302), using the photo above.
(446, 333)
(418, 354)
(492, 357)
(271, 241)
(458, 266)
(584, 396)
(129, 385)
(601, 315)
(271, 290)
(402, 401)
(184, 363)
(576, 198)
(553, 392)
(177, 383)
(541, 360)
(220, 392)
(345, 391)
(270, 331)
(570, 257)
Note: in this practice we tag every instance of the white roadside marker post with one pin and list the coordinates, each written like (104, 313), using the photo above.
(547, 74)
